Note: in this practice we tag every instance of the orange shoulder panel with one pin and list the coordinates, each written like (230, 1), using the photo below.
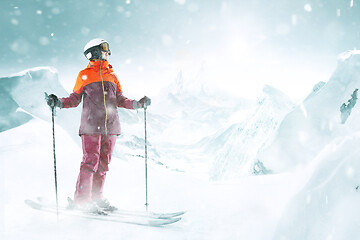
(92, 74)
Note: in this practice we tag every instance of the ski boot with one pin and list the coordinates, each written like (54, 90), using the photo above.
(105, 205)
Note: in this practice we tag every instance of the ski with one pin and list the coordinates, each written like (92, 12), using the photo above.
(121, 212)
(154, 215)
(143, 221)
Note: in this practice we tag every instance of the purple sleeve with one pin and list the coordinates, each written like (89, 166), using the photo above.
(124, 102)
(72, 101)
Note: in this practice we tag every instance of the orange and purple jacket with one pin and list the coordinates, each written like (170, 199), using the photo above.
(102, 93)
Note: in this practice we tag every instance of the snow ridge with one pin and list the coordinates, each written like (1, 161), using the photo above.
(317, 121)
(237, 153)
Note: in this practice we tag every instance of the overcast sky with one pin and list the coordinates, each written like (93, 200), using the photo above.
(237, 44)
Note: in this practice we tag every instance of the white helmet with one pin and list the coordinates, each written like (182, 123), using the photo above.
(93, 48)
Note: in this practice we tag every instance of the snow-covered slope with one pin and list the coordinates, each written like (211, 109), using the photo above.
(306, 130)
(328, 206)
(214, 211)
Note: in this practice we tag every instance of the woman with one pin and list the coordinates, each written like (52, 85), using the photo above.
(101, 92)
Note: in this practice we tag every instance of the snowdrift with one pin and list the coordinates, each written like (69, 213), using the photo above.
(328, 206)
(307, 129)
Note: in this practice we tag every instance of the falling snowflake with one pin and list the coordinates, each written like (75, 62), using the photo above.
(14, 21)
(181, 2)
(308, 7)
(338, 12)
(294, 19)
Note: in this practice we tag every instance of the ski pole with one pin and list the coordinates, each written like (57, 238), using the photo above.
(146, 180)
(55, 173)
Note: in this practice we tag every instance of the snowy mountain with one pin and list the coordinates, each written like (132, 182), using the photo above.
(190, 110)
(191, 103)
(327, 206)
(307, 129)
(236, 148)
(188, 114)
(184, 113)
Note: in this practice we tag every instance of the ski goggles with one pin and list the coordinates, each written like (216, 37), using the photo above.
(105, 47)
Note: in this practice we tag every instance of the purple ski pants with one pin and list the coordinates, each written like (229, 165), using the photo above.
(97, 150)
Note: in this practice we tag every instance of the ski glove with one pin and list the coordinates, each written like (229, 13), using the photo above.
(144, 102)
(53, 101)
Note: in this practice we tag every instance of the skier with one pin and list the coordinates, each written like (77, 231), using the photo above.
(101, 92)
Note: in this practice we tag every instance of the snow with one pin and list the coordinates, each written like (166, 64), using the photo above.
(209, 212)
(308, 7)
(310, 189)
(332, 192)
(313, 124)
(236, 154)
